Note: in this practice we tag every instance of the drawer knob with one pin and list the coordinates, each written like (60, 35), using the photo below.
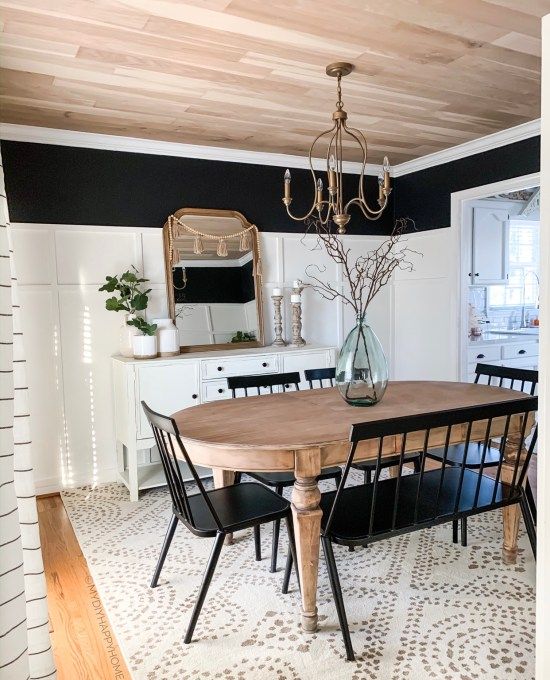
(522, 351)
(194, 396)
(264, 364)
(220, 368)
(476, 274)
(480, 356)
(220, 390)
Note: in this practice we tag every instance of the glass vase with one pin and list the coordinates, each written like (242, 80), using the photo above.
(362, 369)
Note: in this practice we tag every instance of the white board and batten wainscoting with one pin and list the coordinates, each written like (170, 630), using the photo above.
(70, 337)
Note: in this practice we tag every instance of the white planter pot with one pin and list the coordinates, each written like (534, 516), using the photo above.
(168, 338)
(126, 335)
(145, 346)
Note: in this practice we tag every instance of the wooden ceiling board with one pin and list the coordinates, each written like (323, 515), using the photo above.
(249, 74)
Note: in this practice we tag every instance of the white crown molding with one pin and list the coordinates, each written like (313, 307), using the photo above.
(41, 135)
(92, 140)
(492, 141)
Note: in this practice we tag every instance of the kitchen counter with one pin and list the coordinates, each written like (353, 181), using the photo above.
(495, 338)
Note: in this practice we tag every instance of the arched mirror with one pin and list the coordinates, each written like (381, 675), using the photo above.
(213, 279)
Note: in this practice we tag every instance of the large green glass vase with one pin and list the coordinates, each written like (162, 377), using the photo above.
(362, 369)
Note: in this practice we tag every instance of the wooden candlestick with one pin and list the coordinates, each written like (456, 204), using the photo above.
(278, 321)
(297, 340)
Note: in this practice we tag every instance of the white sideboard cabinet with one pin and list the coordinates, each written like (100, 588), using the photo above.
(175, 383)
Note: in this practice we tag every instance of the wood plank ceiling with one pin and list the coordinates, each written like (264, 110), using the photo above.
(249, 74)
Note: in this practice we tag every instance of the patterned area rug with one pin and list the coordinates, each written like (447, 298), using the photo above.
(418, 606)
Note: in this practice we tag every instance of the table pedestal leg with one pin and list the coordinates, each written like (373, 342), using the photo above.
(511, 513)
(224, 478)
(307, 528)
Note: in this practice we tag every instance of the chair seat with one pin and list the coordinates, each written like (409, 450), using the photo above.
(385, 462)
(351, 522)
(238, 506)
(288, 479)
(455, 455)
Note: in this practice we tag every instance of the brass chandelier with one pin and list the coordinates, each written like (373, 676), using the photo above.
(334, 208)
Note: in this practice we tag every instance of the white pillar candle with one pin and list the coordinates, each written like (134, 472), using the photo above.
(295, 298)
(277, 292)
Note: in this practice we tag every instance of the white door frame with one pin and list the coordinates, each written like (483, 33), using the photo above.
(461, 243)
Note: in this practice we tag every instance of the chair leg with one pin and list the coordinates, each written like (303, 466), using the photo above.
(416, 464)
(529, 525)
(337, 594)
(464, 531)
(455, 531)
(275, 545)
(275, 538)
(366, 476)
(164, 551)
(257, 543)
(238, 477)
(212, 562)
(290, 558)
(531, 500)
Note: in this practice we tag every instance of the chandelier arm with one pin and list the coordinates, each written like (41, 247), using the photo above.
(314, 206)
(360, 200)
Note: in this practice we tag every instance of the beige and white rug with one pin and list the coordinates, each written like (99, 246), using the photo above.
(418, 606)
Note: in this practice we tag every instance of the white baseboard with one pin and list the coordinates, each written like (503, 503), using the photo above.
(48, 485)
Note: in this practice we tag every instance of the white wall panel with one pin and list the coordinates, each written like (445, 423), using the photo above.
(89, 336)
(88, 256)
(153, 260)
(42, 350)
(34, 256)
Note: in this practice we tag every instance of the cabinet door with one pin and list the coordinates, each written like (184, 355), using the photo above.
(302, 361)
(165, 388)
(490, 246)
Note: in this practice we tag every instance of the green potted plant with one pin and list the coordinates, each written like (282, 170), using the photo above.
(128, 297)
(144, 344)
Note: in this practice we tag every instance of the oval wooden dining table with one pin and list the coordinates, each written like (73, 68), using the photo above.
(304, 431)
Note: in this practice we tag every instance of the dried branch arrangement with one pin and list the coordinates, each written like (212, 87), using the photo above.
(365, 275)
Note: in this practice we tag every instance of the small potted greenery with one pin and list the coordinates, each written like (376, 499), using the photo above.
(130, 298)
(144, 344)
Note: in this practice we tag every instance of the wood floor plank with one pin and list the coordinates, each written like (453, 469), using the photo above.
(83, 641)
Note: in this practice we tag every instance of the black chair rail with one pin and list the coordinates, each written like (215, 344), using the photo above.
(247, 382)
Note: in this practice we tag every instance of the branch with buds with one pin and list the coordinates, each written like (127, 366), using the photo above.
(367, 274)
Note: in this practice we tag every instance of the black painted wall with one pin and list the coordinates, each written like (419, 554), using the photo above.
(425, 196)
(66, 185)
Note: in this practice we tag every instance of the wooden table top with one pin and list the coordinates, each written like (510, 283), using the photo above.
(319, 417)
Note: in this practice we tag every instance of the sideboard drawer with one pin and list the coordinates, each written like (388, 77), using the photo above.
(519, 350)
(255, 365)
(214, 390)
(483, 354)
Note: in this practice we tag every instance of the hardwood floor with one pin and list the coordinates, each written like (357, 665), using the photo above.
(82, 638)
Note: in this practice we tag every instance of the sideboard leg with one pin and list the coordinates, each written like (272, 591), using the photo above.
(119, 458)
(133, 483)
(224, 478)
(307, 515)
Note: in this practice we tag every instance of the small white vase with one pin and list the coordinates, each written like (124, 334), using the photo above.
(145, 346)
(126, 334)
(168, 338)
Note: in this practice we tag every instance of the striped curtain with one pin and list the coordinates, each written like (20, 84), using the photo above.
(25, 648)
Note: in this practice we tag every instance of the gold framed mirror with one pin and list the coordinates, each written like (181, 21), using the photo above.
(213, 279)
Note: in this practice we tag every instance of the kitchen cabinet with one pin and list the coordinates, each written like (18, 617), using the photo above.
(489, 246)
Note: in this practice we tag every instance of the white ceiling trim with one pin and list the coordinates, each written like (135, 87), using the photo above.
(492, 141)
(42, 135)
(92, 140)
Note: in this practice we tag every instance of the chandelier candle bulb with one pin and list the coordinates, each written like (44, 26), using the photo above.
(319, 193)
(387, 167)
(380, 188)
(287, 185)
(332, 175)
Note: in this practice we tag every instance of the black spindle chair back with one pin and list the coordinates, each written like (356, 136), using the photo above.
(168, 441)
(320, 374)
(435, 496)
(522, 379)
(257, 382)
